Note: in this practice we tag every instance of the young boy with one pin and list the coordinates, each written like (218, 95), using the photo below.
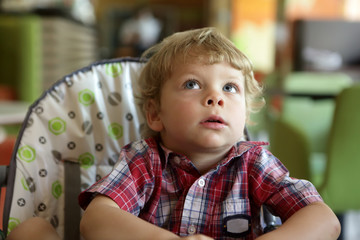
(192, 176)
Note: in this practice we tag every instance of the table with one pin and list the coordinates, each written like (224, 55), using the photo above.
(12, 112)
(315, 84)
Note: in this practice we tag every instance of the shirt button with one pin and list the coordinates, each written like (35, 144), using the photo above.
(201, 182)
(191, 229)
(177, 160)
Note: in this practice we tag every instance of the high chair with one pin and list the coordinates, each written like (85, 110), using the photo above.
(71, 137)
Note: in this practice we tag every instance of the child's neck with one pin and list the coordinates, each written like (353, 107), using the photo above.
(205, 161)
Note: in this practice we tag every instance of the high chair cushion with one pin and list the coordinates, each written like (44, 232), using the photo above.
(72, 136)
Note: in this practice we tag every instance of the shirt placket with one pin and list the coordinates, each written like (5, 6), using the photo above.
(193, 211)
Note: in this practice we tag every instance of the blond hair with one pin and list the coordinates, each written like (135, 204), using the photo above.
(206, 45)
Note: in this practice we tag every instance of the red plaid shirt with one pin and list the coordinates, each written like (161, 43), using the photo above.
(164, 188)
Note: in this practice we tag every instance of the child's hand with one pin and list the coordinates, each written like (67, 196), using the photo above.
(197, 237)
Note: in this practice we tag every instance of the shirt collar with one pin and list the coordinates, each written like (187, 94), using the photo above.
(237, 150)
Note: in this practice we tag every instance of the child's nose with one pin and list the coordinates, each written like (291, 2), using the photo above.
(214, 100)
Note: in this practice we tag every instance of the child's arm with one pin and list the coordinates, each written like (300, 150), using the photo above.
(103, 219)
(34, 228)
(315, 221)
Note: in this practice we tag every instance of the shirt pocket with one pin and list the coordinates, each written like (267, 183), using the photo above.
(235, 206)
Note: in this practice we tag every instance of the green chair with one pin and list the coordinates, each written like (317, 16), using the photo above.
(309, 120)
(307, 108)
(341, 189)
(291, 146)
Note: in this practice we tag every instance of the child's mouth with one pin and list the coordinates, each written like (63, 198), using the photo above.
(215, 119)
(214, 122)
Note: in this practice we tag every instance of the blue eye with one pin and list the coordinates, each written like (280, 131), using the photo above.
(191, 84)
(229, 87)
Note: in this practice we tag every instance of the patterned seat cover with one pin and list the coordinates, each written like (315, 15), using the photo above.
(82, 120)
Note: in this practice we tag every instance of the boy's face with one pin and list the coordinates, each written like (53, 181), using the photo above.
(202, 108)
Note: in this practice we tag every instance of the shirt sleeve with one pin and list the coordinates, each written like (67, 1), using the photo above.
(271, 185)
(131, 183)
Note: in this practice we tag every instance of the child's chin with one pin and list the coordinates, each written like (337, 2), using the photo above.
(216, 143)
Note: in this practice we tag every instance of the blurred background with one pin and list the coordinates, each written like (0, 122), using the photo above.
(305, 53)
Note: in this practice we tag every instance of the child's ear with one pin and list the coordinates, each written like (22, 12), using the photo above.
(153, 117)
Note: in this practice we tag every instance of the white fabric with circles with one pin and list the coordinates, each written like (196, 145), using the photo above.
(86, 117)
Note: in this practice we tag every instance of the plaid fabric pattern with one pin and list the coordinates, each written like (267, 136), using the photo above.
(164, 188)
